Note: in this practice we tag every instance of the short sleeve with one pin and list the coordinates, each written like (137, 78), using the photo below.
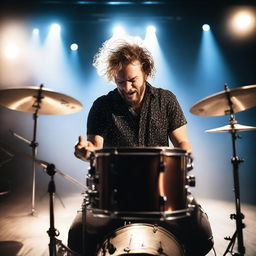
(96, 121)
(176, 117)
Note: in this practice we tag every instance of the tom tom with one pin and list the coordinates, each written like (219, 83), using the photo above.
(141, 179)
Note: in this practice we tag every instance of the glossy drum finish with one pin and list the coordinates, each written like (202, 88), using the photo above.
(141, 179)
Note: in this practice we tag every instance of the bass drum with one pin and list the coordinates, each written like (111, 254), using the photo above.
(140, 239)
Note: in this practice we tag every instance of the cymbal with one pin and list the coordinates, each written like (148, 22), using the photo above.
(52, 103)
(228, 128)
(217, 104)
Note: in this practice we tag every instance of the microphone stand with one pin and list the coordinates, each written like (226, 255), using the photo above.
(235, 160)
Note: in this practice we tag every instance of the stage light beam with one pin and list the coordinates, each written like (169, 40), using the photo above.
(118, 31)
(55, 28)
(151, 29)
(35, 32)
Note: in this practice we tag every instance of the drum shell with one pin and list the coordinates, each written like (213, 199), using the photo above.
(141, 179)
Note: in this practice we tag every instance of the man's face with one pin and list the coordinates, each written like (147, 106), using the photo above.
(131, 83)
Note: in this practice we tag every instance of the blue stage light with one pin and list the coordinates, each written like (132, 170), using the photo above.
(206, 27)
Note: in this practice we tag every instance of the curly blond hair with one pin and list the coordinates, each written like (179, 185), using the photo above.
(115, 54)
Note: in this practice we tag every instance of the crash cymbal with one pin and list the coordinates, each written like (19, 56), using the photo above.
(52, 103)
(217, 104)
(228, 128)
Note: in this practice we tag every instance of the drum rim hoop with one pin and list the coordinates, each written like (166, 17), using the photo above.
(141, 151)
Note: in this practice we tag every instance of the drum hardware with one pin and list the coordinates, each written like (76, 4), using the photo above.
(63, 250)
(161, 167)
(229, 102)
(190, 163)
(149, 216)
(52, 232)
(55, 246)
(10, 157)
(91, 181)
(33, 144)
(37, 101)
(162, 203)
(191, 180)
(4, 186)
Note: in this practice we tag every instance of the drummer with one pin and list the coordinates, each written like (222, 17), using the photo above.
(134, 114)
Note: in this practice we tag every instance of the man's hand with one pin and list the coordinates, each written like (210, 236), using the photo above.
(83, 149)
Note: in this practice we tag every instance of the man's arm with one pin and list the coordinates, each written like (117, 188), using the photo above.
(84, 148)
(179, 138)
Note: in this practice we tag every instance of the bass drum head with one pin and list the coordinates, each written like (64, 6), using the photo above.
(140, 239)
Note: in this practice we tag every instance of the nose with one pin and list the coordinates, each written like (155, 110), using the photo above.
(127, 86)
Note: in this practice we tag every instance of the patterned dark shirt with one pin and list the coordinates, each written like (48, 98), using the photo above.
(111, 118)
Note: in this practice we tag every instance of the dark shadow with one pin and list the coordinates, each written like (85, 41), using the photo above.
(10, 248)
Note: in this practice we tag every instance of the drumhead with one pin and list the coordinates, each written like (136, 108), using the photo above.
(140, 239)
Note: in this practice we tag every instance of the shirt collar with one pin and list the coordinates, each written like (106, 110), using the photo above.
(150, 89)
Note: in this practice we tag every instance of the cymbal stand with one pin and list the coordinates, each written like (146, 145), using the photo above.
(34, 145)
(235, 160)
(52, 232)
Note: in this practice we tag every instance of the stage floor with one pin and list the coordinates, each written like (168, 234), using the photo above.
(25, 235)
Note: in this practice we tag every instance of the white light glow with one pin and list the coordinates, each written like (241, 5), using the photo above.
(74, 47)
(242, 22)
(151, 29)
(55, 28)
(35, 31)
(206, 27)
(11, 51)
(118, 31)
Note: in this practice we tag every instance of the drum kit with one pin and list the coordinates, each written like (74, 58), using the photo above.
(141, 188)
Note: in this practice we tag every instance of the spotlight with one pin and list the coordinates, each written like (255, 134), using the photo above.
(74, 47)
(11, 51)
(206, 27)
(118, 31)
(35, 31)
(55, 28)
(243, 20)
(151, 29)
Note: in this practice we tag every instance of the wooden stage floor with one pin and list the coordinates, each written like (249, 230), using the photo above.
(25, 235)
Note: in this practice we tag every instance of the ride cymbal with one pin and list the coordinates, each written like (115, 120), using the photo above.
(217, 104)
(229, 128)
(52, 103)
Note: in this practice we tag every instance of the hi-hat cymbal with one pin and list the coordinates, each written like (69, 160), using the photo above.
(229, 128)
(52, 103)
(242, 98)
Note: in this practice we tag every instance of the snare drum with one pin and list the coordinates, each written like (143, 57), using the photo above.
(141, 179)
